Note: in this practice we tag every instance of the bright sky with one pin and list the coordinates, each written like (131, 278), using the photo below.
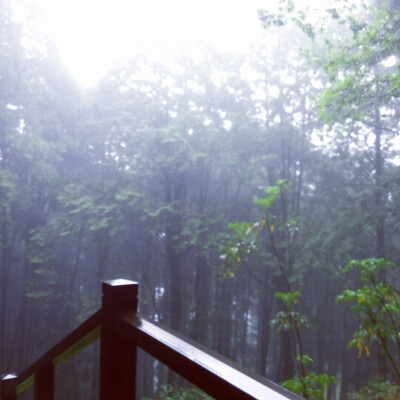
(93, 35)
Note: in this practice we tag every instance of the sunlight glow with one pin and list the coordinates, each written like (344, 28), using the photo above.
(94, 35)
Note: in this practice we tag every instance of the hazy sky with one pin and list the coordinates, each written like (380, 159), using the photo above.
(92, 35)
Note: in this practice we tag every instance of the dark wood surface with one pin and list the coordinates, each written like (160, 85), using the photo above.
(212, 373)
(44, 383)
(122, 330)
(25, 379)
(117, 353)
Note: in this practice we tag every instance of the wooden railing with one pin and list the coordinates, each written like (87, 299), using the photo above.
(121, 331)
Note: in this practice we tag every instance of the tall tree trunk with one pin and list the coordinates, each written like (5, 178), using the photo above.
(382, 366)
(6, 248)
(202, 308)
(174, 197)
(103, 254)
(264, 329)
(223, 316)
(379, 192)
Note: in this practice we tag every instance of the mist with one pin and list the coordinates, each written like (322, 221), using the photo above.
(254, 195)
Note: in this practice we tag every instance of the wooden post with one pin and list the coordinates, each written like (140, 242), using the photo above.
(117, 354)
(44, 383)
(4, 380)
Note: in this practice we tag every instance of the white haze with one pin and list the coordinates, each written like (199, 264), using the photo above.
(92, 36)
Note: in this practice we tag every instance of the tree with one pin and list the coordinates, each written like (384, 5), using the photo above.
(377, 305)
(287, 322)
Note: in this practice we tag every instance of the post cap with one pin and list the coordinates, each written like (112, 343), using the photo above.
(7, 377)
(120, 282)
(120, 295)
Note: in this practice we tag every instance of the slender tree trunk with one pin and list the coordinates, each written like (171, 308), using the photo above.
(379, 192)
(103, 254)
(72, 292)
(202, 308)
(174, 196)
(244, 323)
(6, 248)
(382, 366)
(223, 320)
(264, 329)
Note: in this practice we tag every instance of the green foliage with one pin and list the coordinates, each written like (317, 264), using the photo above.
(369, 268)
(237, 246)
(289, 298)
(245, 238)
(92, 206)
(148, 162)
(377, 304)
(173, 392)
(307, 384)
(376, 389)
(353, 65)
(241, 228)
(287, 320)
(273, 193)
(304, 359)
(311, 386)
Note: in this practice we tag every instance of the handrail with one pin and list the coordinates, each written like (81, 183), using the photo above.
(121, 331)
(214, 374)
(81, 337)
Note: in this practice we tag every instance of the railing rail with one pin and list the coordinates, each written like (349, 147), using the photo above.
(43, 369)
(121, 331)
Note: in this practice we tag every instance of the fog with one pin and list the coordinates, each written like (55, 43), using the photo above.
(253, 193)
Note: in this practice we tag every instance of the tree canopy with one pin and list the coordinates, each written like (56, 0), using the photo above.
(252, 197)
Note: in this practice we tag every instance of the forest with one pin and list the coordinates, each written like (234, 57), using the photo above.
(255, 198)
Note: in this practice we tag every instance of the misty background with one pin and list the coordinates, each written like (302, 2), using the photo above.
(214, 175)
